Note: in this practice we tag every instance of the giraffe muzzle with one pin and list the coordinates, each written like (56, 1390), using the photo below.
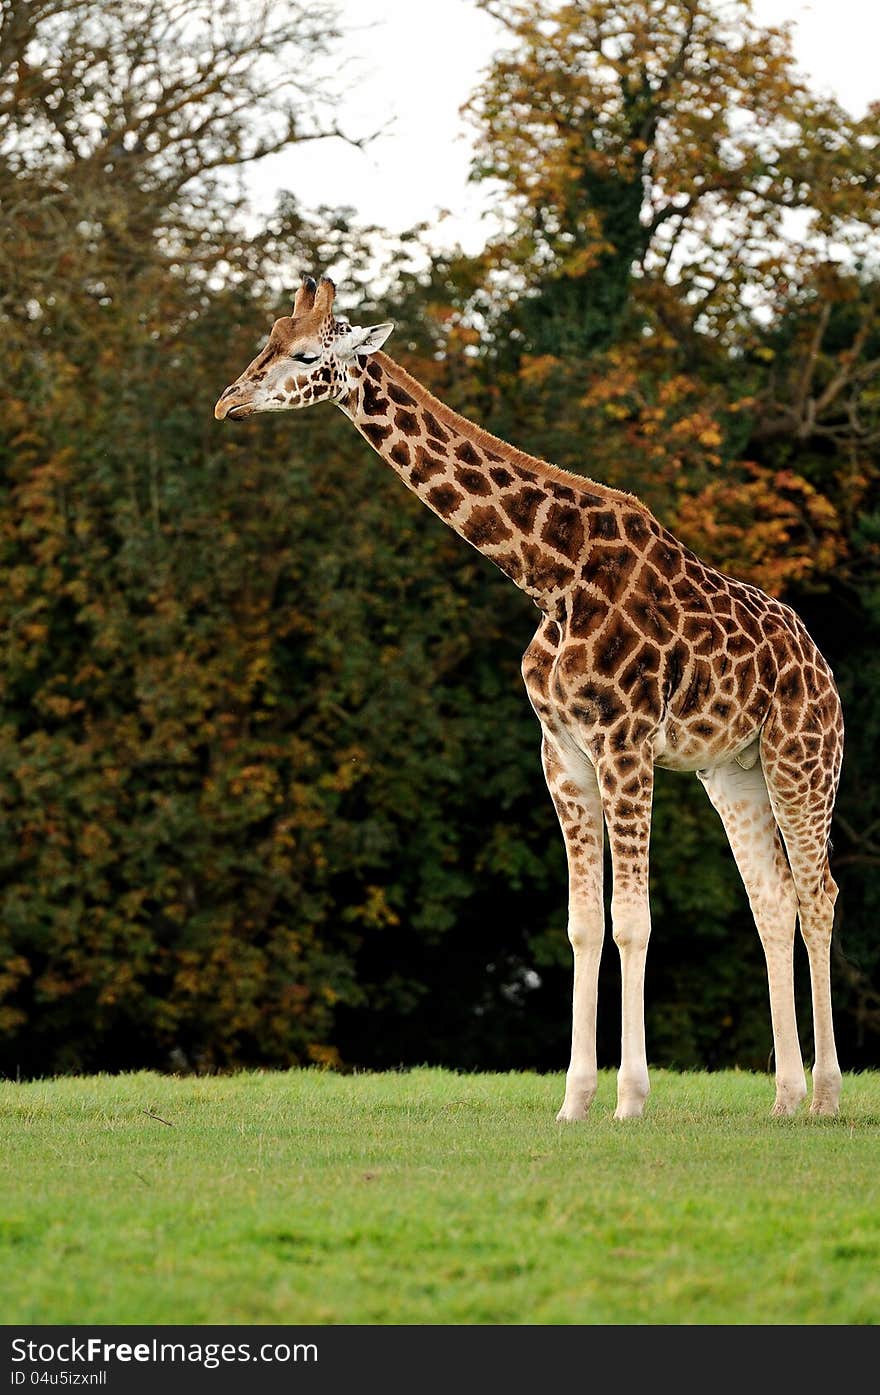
(233, 405)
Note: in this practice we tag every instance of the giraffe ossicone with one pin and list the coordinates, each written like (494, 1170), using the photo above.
(645, 656)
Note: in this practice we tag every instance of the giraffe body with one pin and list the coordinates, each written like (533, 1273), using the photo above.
(645, 656)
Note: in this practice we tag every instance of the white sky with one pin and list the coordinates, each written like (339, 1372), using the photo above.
(411, 64)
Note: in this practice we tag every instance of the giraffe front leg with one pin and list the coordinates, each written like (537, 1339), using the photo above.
(627, 783)
(575, 794)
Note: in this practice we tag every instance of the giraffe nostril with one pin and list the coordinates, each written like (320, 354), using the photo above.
(227, 392)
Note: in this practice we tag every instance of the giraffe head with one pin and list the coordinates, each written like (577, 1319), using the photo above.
(307, 358)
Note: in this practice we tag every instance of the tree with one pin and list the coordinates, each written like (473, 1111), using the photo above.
(120, 125)
(642, 144)
(144, 858)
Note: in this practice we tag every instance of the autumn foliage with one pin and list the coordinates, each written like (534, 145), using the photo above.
(269, 783)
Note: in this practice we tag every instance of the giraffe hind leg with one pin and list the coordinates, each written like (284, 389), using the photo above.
(803, 804)
(742, 800)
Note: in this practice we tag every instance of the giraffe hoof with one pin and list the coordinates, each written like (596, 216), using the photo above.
(824, 1109)
(826, 1093)
(789, 1098)
(573, 1113)
(632, 1094)
(629, 1111)
(786, 1108)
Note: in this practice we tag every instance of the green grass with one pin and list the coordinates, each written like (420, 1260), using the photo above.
(429, 1197)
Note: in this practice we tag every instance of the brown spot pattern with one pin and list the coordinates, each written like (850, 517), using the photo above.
(426, 465)
(433, 427)
(485, 527)
(407, 423)
(473, 481)
(466, 454)
(445, 498)
(522, 507)
(564, 530)
(376, 432)
(400, 453)
(400, 395)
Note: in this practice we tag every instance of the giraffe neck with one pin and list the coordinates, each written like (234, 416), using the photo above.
(525, 515)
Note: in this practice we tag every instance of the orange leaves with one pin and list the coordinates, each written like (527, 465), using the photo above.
(59, 705)
(40, 499)
(697, 429)
(536, 368)
(14, 969)
(94, 840)
(583, 260)
(257, 787)
(350, 766)
(657, 432)
(767, 526)
(373, 912)
(710, 436)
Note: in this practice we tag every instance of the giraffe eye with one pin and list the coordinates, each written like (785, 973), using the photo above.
(306, 358)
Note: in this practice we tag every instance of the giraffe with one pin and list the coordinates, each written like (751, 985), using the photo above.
(644, 657)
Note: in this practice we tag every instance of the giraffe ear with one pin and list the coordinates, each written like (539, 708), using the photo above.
(362, 341)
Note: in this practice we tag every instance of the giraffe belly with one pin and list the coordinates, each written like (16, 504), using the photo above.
(681, 746)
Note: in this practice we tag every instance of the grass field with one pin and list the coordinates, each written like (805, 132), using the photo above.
(428, 1197)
